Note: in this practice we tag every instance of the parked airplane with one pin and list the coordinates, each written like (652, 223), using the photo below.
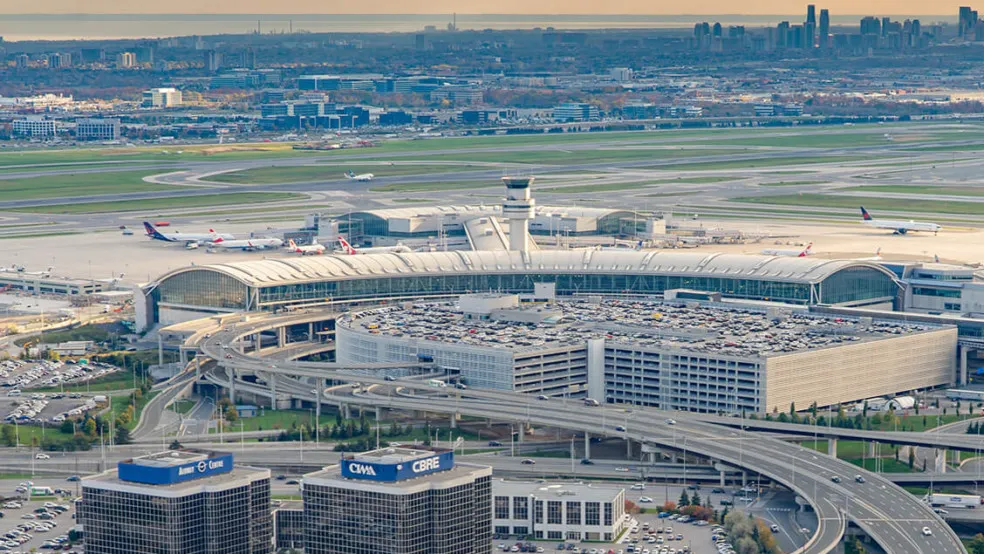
(187, 238)
(361, 178)
(349, 250)
(808, 251)
(876, 258)
(900, 227)
(247, 245)
(307, 250)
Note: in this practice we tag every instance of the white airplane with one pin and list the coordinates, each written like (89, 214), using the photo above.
(349, 250)
(247, 245)
(900, 227)
(876, 258)
(808, 251)
(365, 177)
(187, 238)
(312, 249)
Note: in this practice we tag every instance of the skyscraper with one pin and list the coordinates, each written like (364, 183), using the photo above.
(964, 20)
(811, 14)
(824, 35)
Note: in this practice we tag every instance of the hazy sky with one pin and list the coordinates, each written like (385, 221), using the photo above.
(839, 7)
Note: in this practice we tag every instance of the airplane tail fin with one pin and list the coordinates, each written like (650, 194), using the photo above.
(806, 251)
(292, 244)
(217, 240)
(350, 174)
(865, 215)
(346, 247)
(878, 252)
(152, 232)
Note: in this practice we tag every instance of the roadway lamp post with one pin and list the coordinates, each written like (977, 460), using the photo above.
(317, 417)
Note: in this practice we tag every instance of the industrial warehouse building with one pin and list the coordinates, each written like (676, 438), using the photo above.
(198, 291)
(178, 502)
(713, 357)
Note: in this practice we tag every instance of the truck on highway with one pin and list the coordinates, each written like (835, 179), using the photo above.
(955, 500)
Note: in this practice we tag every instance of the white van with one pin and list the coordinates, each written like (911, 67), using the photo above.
(15, 392)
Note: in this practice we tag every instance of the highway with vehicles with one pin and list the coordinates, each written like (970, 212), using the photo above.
(890, 515)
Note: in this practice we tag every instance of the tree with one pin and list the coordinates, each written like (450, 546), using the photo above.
(9, 435)
(912, 457)
(90, 427)
(695, 499)
(231, 415)
(684, 499)
(122, 435)
(175, 445)
(976, 544)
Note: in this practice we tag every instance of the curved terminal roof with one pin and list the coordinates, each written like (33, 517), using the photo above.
(282, 271)
(484, 211)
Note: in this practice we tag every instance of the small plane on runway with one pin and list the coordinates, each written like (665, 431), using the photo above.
(363, 178)
(246, 245)
(349, 250)
(312, 249)
(900, 227)
(187, 238)
(808, 251)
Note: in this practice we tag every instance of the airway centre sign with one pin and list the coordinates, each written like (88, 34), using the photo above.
(153, 475)
(373, 471)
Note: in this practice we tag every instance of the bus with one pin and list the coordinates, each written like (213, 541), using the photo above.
(957, 394)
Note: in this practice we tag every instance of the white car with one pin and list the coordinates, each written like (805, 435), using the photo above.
(638, 487)
(927, 531)
(645, 499)
(41, 456)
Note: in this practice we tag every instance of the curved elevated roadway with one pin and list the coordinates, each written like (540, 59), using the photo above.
(887, 513)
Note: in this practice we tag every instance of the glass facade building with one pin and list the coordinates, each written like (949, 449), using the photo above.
(271, 284)
(227, 513)
(444, 512)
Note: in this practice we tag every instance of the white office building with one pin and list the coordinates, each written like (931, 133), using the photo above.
(162, 98)
(35, 127)
(558, 512)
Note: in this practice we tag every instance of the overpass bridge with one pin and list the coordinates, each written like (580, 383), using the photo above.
(888, 514)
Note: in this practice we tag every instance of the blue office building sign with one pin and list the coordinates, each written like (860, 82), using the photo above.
(389, 472)
(168, 475)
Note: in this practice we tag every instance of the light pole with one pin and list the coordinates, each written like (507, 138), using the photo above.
(317, 417)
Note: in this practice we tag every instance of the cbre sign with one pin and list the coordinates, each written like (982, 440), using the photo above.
(389, 472)
(167, 475)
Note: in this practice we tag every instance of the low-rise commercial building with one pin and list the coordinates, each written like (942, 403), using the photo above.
(398, 501)
(177, 502)
(168, 97)
(558, 512)
(97, 129)
(35, 127)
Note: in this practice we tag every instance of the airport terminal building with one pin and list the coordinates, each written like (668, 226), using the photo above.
(398, 501)
(178, 502)
(199, 291)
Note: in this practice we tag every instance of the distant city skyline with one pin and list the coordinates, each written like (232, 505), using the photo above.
(705, 8)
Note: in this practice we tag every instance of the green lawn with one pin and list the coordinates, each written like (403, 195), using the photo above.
(792, 183)
(578, 156)
(302, 173)
(825, 139)
(118, 380)
(761, 162)
(917, 189)
(425, 187)
(157, 204)
(617, 187)
(79, 184)
(182, 406)
(873, 203)
(280, 419)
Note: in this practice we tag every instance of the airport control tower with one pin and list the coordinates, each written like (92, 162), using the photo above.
(518, 209)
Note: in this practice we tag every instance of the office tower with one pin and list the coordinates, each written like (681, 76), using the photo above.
(884, 25)
(967, 20)
(211, 60)
(248, 60)
(824, 34)
(716, 32)
(398, 501)
(811, 14)
(810, 27)
(178, 502)
(782, 35)
(870, 26)
(125, 60)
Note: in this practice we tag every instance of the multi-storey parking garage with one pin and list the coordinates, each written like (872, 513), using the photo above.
(196, 291)
(672, 355)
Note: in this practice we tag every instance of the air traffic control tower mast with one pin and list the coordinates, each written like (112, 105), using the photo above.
(518, 209)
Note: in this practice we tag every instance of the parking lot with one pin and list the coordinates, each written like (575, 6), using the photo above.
(51, 408)
(18, 374)
(42, 523)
